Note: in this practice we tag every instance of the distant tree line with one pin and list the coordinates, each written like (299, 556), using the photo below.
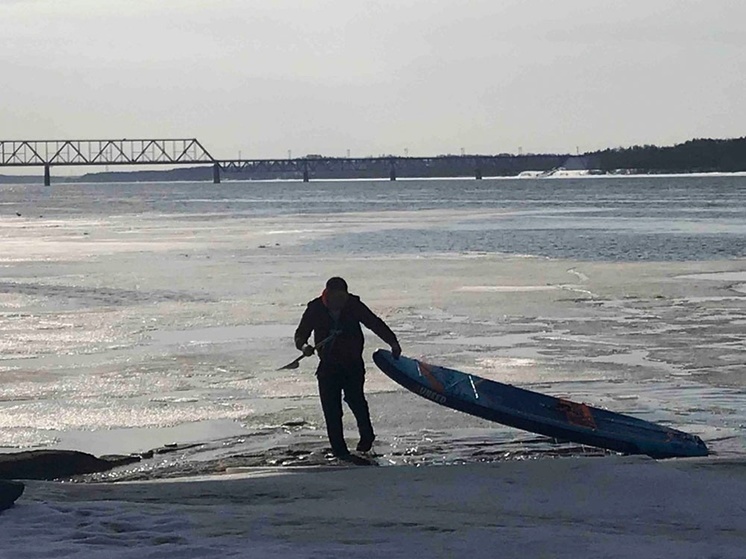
(699, 155)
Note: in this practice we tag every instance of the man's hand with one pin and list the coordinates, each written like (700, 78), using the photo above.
(396, 350)
(307, 350)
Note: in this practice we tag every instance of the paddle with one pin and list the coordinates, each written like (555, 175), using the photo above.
(295, 364)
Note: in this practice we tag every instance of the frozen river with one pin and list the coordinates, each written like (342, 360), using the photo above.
(136, 315)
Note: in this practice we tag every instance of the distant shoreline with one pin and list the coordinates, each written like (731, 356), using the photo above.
(28, 180)
(698, 157)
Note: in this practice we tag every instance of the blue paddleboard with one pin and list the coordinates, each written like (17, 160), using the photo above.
(538, 413)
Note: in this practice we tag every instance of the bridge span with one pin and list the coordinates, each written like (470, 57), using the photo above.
(189, 151)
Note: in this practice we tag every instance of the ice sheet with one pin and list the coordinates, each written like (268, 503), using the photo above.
(169, 306)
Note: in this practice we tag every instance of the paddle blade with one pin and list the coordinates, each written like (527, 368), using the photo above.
(293, 365)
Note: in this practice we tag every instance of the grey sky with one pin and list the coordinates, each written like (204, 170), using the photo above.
(374, 77)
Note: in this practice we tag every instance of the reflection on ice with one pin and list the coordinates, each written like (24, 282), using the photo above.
(505, 288)
(222, 334)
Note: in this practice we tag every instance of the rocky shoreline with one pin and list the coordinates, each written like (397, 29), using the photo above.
(50, 465)
(55, 464)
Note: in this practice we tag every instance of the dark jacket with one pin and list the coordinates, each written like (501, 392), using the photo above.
(346, 348)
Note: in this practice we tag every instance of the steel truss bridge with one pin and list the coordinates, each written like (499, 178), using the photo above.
(178, 152)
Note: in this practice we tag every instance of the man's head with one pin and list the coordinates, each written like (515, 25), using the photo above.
(335, 294)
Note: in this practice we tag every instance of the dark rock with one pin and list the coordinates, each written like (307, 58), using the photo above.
(120, 459)
(296, 453)
(9, 492)
(55, 464)
(174, 447)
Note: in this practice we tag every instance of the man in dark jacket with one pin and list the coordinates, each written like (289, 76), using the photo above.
(335, 320)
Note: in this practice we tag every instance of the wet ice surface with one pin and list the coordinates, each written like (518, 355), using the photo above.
(162, 315)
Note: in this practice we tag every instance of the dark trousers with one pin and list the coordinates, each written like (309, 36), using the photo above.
(332, 383)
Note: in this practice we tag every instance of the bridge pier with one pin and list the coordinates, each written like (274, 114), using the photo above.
(216, 173)
(47, 175)
(306, 176)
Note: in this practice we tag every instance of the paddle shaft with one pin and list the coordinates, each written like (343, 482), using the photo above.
(294, 364)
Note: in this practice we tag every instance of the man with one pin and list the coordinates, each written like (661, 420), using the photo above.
(335, 320)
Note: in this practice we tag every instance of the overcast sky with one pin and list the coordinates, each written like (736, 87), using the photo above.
(374, 77)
